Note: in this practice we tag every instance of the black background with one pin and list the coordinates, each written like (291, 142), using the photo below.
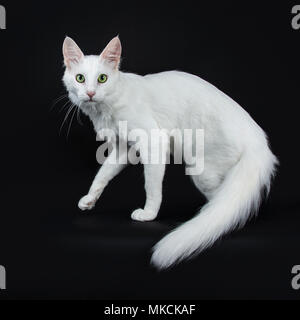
(52, 250)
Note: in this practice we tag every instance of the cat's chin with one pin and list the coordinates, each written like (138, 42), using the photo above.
(89, 103)
(89, 106)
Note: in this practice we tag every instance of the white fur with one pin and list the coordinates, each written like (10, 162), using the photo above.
(238, 161)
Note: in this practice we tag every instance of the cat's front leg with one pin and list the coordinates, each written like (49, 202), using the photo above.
(87, 202)
(107, 172)
(154, 174)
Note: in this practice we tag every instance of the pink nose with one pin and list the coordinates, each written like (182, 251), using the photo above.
(91, 94)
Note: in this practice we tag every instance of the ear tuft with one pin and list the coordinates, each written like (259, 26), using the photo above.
(71, 52)
(112, 52)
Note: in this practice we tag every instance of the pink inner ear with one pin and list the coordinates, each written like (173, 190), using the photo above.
(112, 52)
(71, 52)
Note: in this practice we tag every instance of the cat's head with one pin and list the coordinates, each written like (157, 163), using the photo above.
(90, 79)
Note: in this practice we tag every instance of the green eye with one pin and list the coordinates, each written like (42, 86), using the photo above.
(102, 78)
(80, 78)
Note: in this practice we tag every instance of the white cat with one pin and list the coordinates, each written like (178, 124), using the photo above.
(238, 161)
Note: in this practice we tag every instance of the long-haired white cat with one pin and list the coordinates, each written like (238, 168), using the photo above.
(238, 162)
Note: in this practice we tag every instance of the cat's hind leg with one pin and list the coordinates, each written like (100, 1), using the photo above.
(208, 182)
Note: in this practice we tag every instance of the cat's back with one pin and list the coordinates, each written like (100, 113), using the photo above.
(177, 76)
(183, 86)
(173, 77)
(190, 95)
(181, 83)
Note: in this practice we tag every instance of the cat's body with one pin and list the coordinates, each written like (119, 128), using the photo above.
(238, 163)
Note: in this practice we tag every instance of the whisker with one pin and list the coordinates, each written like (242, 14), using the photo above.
(66, 116)
(65, 105)
(78, 116)
(71, 122)
(56, 101)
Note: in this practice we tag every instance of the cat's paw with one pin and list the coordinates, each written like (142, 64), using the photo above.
(143, 215)
(87, 202)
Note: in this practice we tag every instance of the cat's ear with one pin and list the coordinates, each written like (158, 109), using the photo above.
(112, 53)
(71, 51)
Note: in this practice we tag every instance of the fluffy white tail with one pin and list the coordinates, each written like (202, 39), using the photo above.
(237, 197)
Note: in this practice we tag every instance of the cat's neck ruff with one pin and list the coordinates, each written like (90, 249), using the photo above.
(104, 114)
(100, 114)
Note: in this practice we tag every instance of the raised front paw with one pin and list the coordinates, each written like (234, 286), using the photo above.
(143, 215)
(87, 202)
